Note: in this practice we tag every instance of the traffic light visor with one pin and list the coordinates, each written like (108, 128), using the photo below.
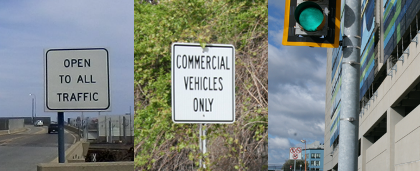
(310, 16)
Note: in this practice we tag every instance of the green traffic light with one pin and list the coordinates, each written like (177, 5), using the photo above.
(310, 16)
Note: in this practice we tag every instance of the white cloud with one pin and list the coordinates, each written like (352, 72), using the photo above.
(296, 94)
(278, 143)
(321, 126)
(277, 36)
(296, 81)
(274, 20)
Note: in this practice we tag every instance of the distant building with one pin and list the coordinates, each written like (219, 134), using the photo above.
(105, 128)
(314, 156)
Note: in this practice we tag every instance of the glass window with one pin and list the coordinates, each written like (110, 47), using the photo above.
(312, 163)
(318, 155)
(317, 163)
(313, 155)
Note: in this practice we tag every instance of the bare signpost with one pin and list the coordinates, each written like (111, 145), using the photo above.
(203, 85)
(76, 80)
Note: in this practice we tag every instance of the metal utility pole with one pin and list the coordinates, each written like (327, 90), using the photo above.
(87, 128)
(124, 130)
(32, 110)
(304, 141)
(82, 120)
(78, 122)
(110, 131)
(131, 127)
(33, 107)
(349, 123)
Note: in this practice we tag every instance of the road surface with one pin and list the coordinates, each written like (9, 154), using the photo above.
(25, 150)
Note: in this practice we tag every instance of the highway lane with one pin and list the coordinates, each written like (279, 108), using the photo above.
(25, 150)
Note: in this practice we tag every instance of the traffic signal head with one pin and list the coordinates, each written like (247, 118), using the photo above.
(310, 16)
(314, 23)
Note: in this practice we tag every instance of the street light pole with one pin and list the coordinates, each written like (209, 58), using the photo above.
(33, 107)
(304, 141)
(131, 134)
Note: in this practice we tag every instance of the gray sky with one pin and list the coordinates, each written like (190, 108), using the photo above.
(296, 90)
(29, 27)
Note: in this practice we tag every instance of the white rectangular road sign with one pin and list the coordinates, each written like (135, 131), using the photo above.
(203, 83)
(295, 153)
(77, 79)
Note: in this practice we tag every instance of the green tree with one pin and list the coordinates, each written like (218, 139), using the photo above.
(161, 144)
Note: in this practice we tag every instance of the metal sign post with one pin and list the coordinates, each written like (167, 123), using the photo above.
(203, 143)
(61, 151)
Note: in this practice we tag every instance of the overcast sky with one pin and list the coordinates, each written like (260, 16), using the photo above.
(28, 27)
(296, 90)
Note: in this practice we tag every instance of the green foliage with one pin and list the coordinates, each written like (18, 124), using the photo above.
(159, 142)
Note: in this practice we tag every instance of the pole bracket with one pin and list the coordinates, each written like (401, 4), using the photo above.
(356, 36)
(351, 119)
(351, 63)
(352, 47)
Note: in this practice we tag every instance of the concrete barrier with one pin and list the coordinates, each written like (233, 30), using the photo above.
(4, 124)
(11, 126)
(75, 160)
(75, 153)
(16, 124)
(90, 166)
(70, 128)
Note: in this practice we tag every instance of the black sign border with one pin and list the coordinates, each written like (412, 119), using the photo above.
(233, 83)
(46, 80)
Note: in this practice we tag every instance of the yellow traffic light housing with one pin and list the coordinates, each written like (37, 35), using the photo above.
(314, 23)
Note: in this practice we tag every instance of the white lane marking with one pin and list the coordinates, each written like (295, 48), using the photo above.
(74, 137)
(41, 131)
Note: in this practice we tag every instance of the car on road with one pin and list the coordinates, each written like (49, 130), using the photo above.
(53, 127)
(39, 123)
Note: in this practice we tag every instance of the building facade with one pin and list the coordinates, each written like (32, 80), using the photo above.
(314, 156)
(105, 128)
(389, 89)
